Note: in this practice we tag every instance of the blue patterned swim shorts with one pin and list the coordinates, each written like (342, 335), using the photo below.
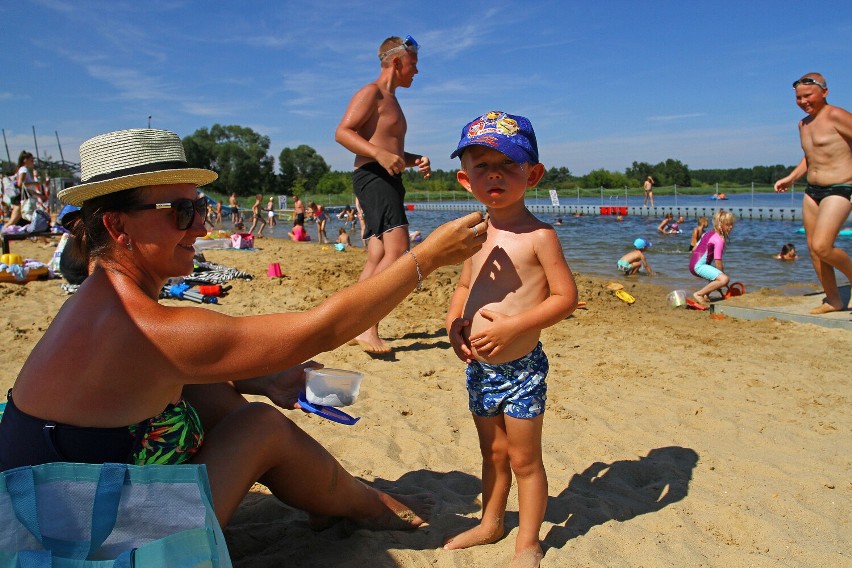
(516, 388)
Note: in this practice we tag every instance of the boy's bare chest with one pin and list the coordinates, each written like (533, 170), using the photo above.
(506, 261)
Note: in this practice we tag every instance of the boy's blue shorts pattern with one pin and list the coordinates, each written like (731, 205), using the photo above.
(516, 388)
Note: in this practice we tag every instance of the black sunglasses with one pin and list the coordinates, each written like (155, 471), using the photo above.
(808, 81)
(185, 210)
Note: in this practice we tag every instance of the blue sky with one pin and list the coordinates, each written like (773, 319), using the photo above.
(604, 83)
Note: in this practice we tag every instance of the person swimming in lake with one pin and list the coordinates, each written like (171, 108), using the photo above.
(788, 252)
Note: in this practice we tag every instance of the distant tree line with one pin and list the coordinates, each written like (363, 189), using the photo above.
(241, 158)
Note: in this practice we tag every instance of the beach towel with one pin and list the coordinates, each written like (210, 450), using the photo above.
(211, 273)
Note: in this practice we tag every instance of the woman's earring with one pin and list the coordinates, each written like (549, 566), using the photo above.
(129, 245)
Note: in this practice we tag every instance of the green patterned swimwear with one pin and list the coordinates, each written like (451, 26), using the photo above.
(171, 437)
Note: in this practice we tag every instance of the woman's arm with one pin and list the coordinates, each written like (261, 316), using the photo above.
(207, 346)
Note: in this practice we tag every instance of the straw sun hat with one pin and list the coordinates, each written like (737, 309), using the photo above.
(131, 158)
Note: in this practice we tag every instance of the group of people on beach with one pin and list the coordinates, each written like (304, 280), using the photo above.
(826, 138)
(141, 365)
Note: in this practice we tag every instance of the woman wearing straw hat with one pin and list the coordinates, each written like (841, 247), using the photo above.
(160, 384)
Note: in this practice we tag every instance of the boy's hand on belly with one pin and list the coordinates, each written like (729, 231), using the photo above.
(491, 339)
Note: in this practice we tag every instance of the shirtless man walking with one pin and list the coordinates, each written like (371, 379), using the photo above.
(373, 128)
(298, 211)
(826, 136)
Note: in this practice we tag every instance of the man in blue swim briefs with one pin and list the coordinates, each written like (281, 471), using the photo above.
(826, 137)
(373, 128)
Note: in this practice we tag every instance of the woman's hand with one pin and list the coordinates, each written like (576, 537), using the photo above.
(454, 241)
(281, 388)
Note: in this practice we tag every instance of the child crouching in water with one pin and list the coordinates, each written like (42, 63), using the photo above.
(631, 262)
(511, 289)
(706, 260)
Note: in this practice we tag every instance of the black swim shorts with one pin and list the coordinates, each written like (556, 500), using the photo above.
(382, 197)
(820, 192)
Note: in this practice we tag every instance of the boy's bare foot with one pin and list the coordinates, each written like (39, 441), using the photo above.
(527, 558)
(475, 536)
(372, 343)
(401, 512)
(824, 309)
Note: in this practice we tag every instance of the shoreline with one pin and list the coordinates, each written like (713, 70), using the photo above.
(671, 437)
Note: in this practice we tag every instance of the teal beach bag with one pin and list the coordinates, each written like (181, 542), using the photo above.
(68, 515)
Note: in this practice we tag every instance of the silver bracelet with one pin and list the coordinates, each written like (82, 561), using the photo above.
(419, 287)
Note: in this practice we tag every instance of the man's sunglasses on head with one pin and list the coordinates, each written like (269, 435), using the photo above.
(809, 81)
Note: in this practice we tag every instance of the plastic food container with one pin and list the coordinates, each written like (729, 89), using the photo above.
(332, 387)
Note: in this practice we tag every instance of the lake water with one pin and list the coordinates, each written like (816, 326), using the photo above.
(593, 243)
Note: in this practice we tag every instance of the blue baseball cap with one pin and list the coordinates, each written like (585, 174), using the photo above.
(510, 134)
(641, 243)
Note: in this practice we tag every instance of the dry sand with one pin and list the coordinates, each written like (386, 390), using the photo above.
(672, 437)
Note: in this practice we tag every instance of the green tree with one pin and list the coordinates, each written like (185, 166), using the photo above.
(335, 182)
(672, 172)
(639, 172)
(605, 179)
(238, 154)
(557, 177)
(302, 163)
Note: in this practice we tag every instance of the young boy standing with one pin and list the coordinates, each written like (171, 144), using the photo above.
(511, 289)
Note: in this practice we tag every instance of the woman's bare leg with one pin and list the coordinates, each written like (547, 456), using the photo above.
(256, 442)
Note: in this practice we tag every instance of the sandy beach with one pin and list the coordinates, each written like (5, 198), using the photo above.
(671, 438)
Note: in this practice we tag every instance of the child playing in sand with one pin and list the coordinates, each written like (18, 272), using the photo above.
(631, 262)
(708, 253)
(788, 252)
(697, 232)
(343, 237)
(298, 233)
(511, 289)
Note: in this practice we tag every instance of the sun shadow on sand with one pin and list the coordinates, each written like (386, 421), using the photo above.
(265, 532)
(619, 491)
(421, 346)
(440, 332)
